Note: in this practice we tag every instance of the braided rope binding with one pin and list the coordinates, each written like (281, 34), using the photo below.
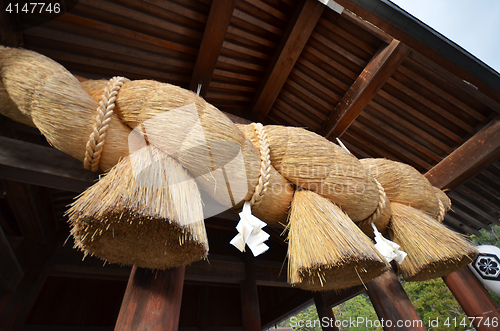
(97, 138)
(442, 211)
(265, 165)
(380, 206)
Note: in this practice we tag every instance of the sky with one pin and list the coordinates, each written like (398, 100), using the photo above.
(474, 25)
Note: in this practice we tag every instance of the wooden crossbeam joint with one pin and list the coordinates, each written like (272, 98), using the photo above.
(211, 44)
(380, 68)
(293, 42)
(472, 156)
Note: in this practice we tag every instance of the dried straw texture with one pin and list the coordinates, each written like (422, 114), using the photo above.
(146, 211)
(443, 198)
(58, 105)
(312, 162)
(326, 250)
(7, 106)
(195, 133)
(381, 221)
(404, 184)
(276, 202)
(433, 250)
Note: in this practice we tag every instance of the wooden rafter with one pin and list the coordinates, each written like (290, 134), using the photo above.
(10, 34)
(10, 269)
(376, 73)
(215, 32)
(33, 210)
(302, 25)
(43, 166)
(471, 157)
(373, 15)
(152, 300)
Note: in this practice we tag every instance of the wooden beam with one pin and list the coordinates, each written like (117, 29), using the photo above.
(10, 27)
(471, 157)
(32, 207)
(382, 65)
(419, 37)
(215, 32)
(35, 261)
(392, 304)
(250, 297)
(474, 299)
(152, 300)
(302, 25)
(43, 166)
(295, 303)
(325, 313)
(11, 272)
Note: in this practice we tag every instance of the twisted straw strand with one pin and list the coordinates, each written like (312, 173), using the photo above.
(380, 206)
(97, 138)
(265, 165)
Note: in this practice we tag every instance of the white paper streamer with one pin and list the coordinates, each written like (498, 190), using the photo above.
(250, 232)
(389, 249)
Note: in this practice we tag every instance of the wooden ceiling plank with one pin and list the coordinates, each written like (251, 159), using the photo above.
(117, 68)
(11, 272)
(459, 197)
(144, 18)
(366, 86)
(471, 191)
(426, 103)
(10, 32)
(328, 77)
(125, 36)
(457, 82)
(112, 51)
(347, 35)
(471, 157)
(374, 107)
(420, 116)
(459, 213)
(296, 37)
(461, 225)
(33, 210)
(441, 93)
(321, 57)
(211, 44)
(353, 137)
(398, 135)
(388, 143)
(365, 25)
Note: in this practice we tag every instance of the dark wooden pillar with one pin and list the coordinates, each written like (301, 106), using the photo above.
(152, 300)
(393, 307)
(324, 313)
(250, 297)
(474, 299)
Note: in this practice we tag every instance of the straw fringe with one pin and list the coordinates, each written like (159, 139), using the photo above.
(146, 211)
(326, 250)
(433, 250)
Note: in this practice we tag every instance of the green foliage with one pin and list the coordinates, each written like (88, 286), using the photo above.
(359, 306)
(435, 304)
(432, 299)
(487, 237)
